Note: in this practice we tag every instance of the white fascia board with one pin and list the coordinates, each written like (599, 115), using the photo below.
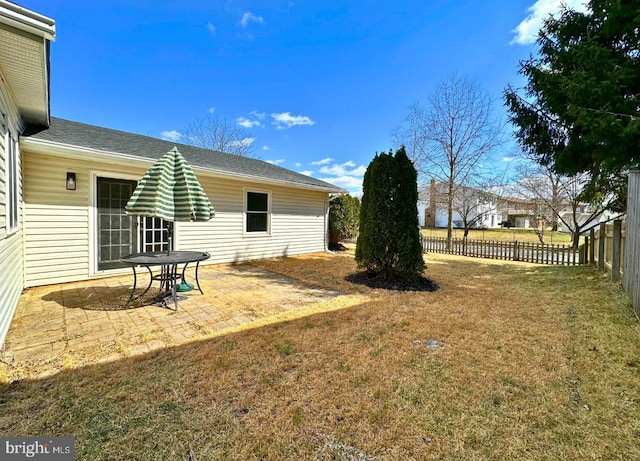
(27, 20)
(39, 146)
(56, 149)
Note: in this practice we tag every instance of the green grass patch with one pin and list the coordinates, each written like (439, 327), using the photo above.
(286, 348)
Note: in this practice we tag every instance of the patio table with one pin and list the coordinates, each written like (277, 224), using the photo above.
(168, 276)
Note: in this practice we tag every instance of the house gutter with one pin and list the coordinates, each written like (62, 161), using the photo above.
(26, 20)
(51, 148)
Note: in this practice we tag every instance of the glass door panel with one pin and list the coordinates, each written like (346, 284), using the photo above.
(116, 230)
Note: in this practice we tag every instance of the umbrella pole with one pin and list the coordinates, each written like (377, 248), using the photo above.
(170, 237)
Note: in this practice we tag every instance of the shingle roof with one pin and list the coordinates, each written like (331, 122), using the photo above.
(120, 142)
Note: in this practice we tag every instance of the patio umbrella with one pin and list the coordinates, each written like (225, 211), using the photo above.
(170, 190)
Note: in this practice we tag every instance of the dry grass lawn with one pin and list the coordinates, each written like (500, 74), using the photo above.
(506, 361)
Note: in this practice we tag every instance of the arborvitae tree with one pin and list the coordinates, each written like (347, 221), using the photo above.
(374, 214)
(344, 215)
(407, 230)
(389, 238)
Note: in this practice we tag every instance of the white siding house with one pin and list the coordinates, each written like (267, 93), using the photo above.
(62, 226)
(11, 261)
(480, 208)
(64, 185)
(24, 98)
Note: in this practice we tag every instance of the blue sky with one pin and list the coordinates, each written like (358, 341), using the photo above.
(319, 85)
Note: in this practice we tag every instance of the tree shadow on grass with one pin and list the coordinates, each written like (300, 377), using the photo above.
(373, 280)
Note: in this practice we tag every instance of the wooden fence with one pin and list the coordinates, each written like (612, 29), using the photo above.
(631, 278)
(512, 251)
(607, 244)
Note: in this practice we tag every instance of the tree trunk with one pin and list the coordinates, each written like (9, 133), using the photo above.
(576, 238)
(540, 236)
(450, 214)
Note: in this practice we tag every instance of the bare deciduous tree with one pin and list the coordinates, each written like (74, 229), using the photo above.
(475, 204)
(539, 185)
(450, 137)
(221, 135)
(560, 198)
(411, 135)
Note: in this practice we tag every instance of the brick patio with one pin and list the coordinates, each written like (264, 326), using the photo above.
(67, 325)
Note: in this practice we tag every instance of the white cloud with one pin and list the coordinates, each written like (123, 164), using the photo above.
(298, 164)
(245, 122)
(212, 29)
(527, 31)
(250, 17)
(508, 159)
(285, 120)
(275, 162)
(211, 110)
(340, 170)
(346, 175)
(348, 182)
(251, 121)
(306, 172)
(172, 135)
(265, 147)
(243, 142)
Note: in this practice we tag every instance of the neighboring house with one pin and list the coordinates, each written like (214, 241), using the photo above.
(426, 209)
(528, 213)
(583, 214)
(475, 205)
(517, 211)
(63, 191)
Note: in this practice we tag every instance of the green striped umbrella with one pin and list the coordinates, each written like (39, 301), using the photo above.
(170, 190)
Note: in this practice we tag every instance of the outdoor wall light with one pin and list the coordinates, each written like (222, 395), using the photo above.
(71, 181)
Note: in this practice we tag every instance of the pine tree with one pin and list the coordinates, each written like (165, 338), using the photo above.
(578, 111)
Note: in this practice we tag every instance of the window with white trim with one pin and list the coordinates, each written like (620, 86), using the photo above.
(257, 212)
(13, 203)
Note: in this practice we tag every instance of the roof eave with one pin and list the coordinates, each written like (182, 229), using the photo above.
(34, 107)
(29, 21)
(40, 146)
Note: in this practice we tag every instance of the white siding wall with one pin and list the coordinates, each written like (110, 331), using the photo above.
(58, 231)
(56, 221)
(297, 223)
(11, 250)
